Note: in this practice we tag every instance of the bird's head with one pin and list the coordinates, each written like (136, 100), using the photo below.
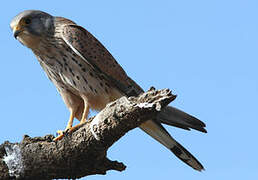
(30, 26)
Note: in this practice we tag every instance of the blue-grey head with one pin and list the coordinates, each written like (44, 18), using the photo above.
(31, 25)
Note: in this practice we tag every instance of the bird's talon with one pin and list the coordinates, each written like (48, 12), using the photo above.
(58, 137)
(59, 132)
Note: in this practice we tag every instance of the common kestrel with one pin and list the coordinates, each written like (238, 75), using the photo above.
(87, 75)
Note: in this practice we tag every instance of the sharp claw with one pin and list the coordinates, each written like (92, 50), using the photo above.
(59, 132)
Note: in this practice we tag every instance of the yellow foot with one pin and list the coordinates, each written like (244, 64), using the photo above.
(72, 129)
(61, 133)
(58, 137)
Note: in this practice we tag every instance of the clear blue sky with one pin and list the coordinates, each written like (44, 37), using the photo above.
(205, 51)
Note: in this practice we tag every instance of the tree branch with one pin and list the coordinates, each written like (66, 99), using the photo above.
(84, 151)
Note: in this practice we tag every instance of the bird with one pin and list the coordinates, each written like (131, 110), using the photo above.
(87, 76)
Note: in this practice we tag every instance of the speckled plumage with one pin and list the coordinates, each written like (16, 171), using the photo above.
(87, 75)
(91, 70)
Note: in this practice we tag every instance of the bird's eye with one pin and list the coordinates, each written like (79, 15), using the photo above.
(27, 21)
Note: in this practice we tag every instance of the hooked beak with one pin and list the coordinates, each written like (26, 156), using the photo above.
(16, 31)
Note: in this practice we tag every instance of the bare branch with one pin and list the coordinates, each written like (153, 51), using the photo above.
(84, 151)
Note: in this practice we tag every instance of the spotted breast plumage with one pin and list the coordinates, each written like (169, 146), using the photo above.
(87, 75)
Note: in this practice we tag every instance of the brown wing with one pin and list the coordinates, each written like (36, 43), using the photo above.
(94, 53)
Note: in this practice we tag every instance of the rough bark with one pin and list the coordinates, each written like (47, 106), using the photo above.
(82, 152)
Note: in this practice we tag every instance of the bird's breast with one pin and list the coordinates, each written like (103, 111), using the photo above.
(69, 71)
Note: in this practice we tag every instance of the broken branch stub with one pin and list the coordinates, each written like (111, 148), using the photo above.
(84, 151)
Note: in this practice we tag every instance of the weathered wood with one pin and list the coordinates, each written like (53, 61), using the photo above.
(83, 152)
